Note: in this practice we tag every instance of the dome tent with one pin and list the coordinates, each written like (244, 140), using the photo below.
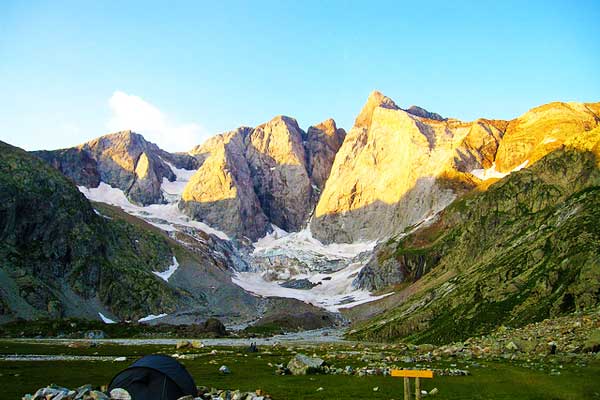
(155, 377)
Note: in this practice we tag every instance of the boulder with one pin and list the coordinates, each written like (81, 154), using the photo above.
(119, 394)
(302, 364)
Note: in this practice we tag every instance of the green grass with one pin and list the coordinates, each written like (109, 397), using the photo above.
(250, 371)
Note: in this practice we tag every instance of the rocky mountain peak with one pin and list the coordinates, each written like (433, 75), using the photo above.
(322, 144)
(376, 99)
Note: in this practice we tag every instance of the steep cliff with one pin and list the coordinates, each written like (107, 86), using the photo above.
(394, 169)
(221, 192)
(322, 144)
(277, 161)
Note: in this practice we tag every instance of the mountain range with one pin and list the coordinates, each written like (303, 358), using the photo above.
(410, 224)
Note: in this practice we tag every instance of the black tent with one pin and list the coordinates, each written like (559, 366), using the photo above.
(155, 377)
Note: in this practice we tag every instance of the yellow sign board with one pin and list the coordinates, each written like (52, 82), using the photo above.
(412, 373)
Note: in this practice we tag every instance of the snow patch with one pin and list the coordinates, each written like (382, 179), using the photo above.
(165, 275)
(105, 319)
(332, 294)
(485, 174)
(151, 317)
(172, 191)
(304, 241)
(166, 214)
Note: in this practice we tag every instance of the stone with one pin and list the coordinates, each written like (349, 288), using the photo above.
(122, 394)
(95, 334)
(302, 284)
(302, 364)
(97, 395)
(224, 369)
(183, 344)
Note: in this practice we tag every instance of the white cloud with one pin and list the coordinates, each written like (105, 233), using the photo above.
(134, 113)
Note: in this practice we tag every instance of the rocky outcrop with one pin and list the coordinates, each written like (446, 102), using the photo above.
(221, 193)
(124, 160)
(393, 170)
(478, 149)
(322, 144)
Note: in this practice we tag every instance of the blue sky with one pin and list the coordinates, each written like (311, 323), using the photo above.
(74, 70)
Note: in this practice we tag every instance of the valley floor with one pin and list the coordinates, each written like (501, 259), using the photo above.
(556, 378)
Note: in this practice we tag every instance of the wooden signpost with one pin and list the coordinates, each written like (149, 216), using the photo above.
(412, 373)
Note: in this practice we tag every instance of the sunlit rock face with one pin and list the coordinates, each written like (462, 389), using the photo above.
(322, 144)
(221, 192)
(393, 170)
(251, 178)
(277, 161)
(542, 130)
(398, 167)
(124, 160)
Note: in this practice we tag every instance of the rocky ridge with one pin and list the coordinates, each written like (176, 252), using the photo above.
(398, 167)
(251, 178)
(123, 160)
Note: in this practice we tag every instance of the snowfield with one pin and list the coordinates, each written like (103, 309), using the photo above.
(168, 215)
(172, 191)
(304, 242)
(332, 294)
(334, 289)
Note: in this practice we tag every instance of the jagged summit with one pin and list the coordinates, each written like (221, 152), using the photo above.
(421, 112)
(375, 99)
(251, 178)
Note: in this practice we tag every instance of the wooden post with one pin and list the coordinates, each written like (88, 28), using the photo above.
(407, 374)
